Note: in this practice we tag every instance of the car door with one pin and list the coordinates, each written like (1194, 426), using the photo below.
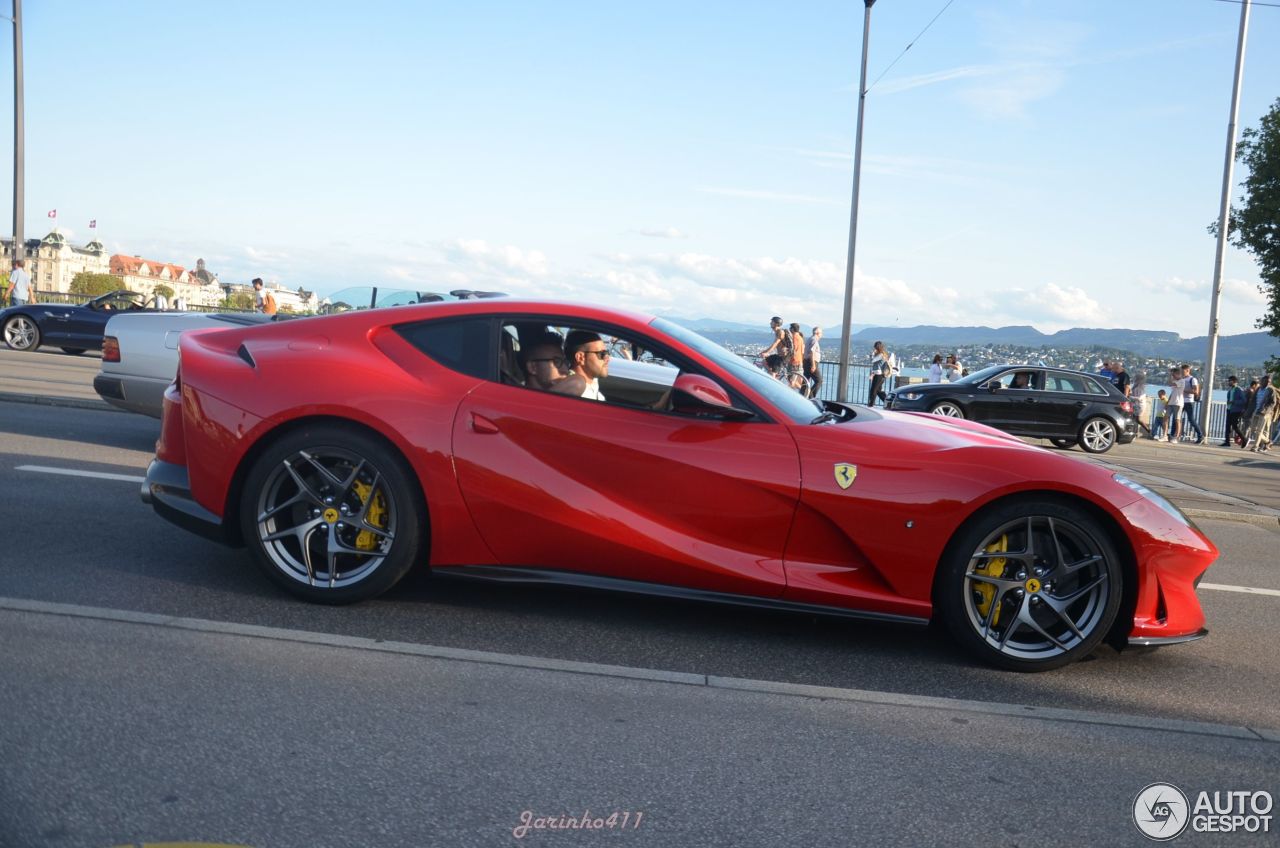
(1027, 406)
(567, 483)
(1065, 402)
(87, 324)
(994, 407)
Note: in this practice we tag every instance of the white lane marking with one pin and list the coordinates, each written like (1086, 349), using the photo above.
(71, 472)
(1248, 590)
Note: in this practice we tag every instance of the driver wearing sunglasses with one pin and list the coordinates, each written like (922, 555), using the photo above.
(588, 357)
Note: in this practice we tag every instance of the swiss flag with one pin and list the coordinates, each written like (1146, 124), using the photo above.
(53, 213)
(93, 225)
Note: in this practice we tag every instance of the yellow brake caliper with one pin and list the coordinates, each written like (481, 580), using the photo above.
(377, 516)
(993, 568)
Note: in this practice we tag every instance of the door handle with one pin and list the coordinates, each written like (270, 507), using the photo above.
(1031, 400)
(483, 425)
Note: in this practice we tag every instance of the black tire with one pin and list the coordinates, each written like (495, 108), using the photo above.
(1065, 444)
(947, 409)
(332, 514)
(1011, 607)
(74, 351)
(1098, 435)
(21, 333)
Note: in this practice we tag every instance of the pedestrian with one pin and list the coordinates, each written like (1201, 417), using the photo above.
(795, 364)
(19, 284)
(935, 370)
(1174, 420)
(1138, 394)
(1120, 377)
(813, 361)
(881, 367)
(952, 369)
(1191, 401)
(1264, 411)
(1161, 408)
(1106, 372)
(264, 301)
(1235, 409)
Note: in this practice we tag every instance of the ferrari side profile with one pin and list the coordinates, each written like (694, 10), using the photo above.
(345, 450)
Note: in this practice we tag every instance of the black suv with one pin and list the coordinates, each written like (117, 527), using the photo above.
(1066, 407)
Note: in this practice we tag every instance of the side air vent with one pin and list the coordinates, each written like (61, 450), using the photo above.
(243, 353)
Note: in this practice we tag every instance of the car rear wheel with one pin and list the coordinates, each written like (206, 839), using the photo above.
(947, 409)
(332, 515)
(1030, 586)
(1065, 444)
(1097, 435)
(21, 333)
(74, 351)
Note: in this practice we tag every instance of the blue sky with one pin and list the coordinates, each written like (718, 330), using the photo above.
(1035, 162)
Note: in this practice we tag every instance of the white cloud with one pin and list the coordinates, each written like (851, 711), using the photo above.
(499, 260)
(1062, 306)
(665, 232)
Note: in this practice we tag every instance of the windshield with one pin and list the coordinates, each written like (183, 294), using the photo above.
(788, 401)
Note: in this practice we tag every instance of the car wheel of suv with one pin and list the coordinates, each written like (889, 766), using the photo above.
(21, 333)
(1030, 586)
(947, 409)
(332, 515)
(1097, 435)
(1065, 444)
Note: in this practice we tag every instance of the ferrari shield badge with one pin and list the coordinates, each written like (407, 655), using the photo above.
(845, 474)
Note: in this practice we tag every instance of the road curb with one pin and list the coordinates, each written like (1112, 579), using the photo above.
(46, 400)
(764, 687)
(1244, 517)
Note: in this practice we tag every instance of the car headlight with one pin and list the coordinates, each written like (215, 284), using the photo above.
(1157, 499)
(911, 395)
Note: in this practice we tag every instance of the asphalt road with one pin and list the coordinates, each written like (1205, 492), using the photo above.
(248, 738)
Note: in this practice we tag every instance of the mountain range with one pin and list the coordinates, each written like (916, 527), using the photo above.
(1240, 349)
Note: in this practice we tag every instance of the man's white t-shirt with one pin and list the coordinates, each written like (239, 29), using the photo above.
(21, 282)
(592, 391)
(1175, 392)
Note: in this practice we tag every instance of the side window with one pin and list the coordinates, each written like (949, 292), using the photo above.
(1092, 386)
(461, 344)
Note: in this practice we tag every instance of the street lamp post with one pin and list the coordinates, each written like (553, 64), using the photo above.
(1224, 213)
(18, 238)
(846, 340)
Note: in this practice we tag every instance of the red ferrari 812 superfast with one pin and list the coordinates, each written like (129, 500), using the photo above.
(345, 450)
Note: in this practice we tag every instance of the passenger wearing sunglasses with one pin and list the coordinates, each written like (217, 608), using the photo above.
(588, 357)
(547, 370)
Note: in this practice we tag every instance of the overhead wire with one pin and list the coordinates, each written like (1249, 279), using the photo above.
(909, 45)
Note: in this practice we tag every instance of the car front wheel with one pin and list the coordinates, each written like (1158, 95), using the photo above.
(332, 515)
(947, 409)
(1030, 586)
(1097, 435)
(21, 333)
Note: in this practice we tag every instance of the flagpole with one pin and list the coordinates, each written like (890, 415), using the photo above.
(19, 240)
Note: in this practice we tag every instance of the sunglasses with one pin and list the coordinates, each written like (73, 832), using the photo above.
(602, 354)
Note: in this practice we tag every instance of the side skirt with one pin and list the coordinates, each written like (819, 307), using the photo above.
(548, 576)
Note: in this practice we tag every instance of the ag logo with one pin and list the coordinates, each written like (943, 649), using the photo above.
(1161, 811)
(845, 474)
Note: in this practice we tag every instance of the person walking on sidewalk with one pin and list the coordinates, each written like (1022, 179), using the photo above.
(1159, 417)
(880, 368)
(1235, 408)
(1173, 422)
(1264, 411)
(1191, 401)
(813, 361)
(19, 284)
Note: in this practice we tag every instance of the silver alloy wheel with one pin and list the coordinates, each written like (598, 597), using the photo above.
(21, 333)
(1098, 435)
(1037, 587)
(326, 518)
(947, 409)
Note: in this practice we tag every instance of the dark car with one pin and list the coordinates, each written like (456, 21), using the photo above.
(74, 328)
(1066, 407)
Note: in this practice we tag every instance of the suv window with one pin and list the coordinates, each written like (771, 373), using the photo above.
(461, 344)
(1094, 387)
(1066, 383)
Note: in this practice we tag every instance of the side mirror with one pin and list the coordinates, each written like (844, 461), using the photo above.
(693, 394)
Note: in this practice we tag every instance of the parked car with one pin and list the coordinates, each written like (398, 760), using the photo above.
(74, 328)
(345, 450)
(140, 354)
(1066, 407)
